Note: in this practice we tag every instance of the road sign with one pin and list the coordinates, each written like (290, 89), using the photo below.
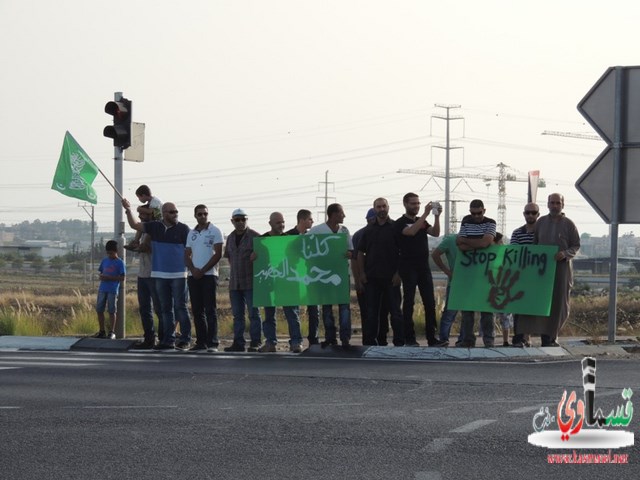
(135, 153)
(598, 105)
(596, 187)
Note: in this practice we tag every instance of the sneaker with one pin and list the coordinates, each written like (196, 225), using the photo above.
(346, 345)
(466, 344)
(551, 344)
(267, 348)
(182, 346)
(212, 349)
(411, 343)
(489, 345)
(111, 335)
(143, 345)
(254, 346)
(296, 348)
(439, 343)
(328, 343)
(161, 347)
(234, 348)
(100, 334)
(506, 344)
(197, 348)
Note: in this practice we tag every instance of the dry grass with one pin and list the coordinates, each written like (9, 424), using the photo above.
(47, 305)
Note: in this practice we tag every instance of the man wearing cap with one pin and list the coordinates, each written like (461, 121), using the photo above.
(238, 251)
(305, 222)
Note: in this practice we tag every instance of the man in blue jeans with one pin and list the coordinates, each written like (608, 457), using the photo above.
(448, 248)
(168, 239)
(291, 313)
(238, 251)
(335, 217)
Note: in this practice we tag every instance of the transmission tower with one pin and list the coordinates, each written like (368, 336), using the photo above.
(326, 196)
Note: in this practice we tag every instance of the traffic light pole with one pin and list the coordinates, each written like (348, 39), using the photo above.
(118, 229)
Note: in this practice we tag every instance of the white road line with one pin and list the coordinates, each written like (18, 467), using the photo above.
(525, 409)
(53, 364)
(437, 445)
(122, 407)
(10, 408)
(428, 476)
(470, 427)
(8, 368)
(312, 405)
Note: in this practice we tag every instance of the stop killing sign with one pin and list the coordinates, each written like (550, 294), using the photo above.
(614, 102)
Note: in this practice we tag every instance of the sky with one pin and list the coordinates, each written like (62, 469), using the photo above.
(264, 104)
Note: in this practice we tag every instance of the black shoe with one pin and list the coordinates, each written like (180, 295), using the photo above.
(411, 343)
(551, 344)
(466, 344)
(328, 343)
(438, 343)
(346, 345)
(198, 348)
(234, 348)
(182, 346)
(254, 346)
(505, 344)
(144, 345)
(100, 334)
(162, 347)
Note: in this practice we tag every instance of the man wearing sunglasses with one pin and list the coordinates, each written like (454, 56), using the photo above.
(238, 251)
(202, 254)
(168, 239)
(476, 232)
(524, 236)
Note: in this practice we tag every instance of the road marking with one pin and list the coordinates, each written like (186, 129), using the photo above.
(524, 409)
(10, 408)
(437, 445)
(52, 364)
(8, 368)
(311, 405)
(118, 407)
(470, 427)
(428, 476)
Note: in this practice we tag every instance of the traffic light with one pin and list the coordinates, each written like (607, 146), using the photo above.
(120, 131)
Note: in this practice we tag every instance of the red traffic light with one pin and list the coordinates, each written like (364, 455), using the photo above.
(120, 131)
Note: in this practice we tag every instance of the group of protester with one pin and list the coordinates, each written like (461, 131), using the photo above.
(388, 259)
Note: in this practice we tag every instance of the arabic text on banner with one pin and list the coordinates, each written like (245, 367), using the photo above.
(300, 270)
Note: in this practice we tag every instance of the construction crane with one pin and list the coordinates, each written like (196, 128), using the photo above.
(583, 136)
(503, 177)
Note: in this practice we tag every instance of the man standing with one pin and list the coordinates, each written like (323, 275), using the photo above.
(305, 222)
(202, 254)
(291, 313)
(238, 251)
(335, 217)
(378, 271)
(449, 249)
(168, 238)
(148, 300)
(524, 235)
(476, 232)
(556, 229)
(413, 266)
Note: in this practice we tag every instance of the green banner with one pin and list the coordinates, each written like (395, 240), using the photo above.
(75, 172)
(504, 278)
(300, 270)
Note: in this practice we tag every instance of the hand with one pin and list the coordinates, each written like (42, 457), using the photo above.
(396, 280)
(126, 204)
(560, 256)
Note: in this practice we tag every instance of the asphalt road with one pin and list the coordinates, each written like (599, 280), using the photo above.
(101, 416)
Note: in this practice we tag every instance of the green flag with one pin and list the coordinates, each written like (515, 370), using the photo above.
(75, 172)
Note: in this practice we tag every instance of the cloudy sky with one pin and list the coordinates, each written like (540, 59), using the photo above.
(251, 103)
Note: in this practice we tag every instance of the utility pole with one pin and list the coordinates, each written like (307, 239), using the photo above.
(326, 193)
(93, 241)
(447, 148)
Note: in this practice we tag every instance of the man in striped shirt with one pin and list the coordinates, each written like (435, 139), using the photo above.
(524, 236)
(476, 232)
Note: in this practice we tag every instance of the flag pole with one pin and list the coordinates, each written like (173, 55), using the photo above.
(111, 184)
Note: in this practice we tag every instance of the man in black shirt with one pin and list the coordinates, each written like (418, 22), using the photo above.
(378, 273)
(414, 268)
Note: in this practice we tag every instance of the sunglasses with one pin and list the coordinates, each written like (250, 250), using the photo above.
(531, 212)
(172, 212)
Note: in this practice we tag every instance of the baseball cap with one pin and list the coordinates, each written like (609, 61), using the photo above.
(370, 213)
(239, 212)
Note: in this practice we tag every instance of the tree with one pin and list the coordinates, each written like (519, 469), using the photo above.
(38, 263)
(57, 263)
